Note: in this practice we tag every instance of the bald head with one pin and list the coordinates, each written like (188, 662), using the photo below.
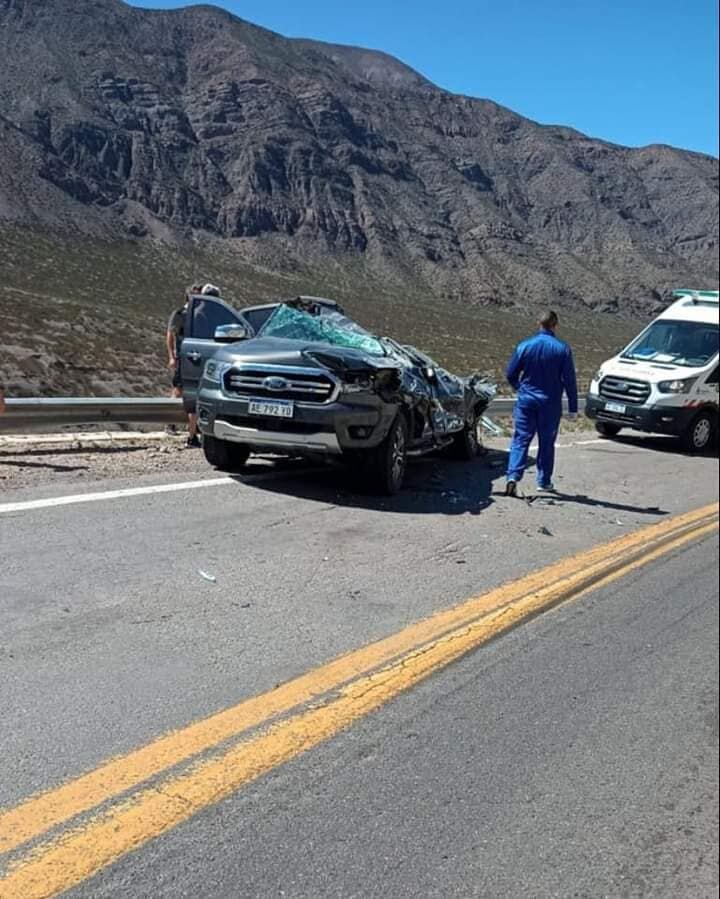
(549, 320)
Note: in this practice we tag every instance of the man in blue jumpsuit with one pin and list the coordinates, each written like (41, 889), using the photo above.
(540, 370)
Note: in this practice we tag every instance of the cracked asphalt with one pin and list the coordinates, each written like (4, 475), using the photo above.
(575, 756)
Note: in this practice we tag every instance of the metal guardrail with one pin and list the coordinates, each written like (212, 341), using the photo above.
(37, 415)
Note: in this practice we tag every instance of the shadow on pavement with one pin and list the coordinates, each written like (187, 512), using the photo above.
(16, 463)
(581, 499)
(433, 486)
(32, 451)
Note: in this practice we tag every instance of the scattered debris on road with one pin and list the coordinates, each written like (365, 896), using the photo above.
(489, 425)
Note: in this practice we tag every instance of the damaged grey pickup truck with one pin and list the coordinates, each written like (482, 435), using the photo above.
(300, 378)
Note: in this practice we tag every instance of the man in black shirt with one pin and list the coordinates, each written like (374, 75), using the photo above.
(173, 340)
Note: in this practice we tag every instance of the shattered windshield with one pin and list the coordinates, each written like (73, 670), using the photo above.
(691, 344)
(330, 328)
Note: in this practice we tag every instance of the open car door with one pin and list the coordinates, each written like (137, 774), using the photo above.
(203, 316)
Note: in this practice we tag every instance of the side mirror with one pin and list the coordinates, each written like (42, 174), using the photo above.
(231, 333)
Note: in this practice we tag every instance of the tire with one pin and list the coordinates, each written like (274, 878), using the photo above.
(702, 432)
(223, 454)
(465, 445)
(606, 429)
(384, 467)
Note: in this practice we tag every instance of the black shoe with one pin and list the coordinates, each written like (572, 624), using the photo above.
(511, 488)
(193, 442)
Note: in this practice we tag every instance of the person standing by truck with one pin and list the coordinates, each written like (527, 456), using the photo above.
(540, 371)
(174, 335)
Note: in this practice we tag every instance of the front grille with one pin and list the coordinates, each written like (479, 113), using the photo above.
(302, 386)
(624, 390)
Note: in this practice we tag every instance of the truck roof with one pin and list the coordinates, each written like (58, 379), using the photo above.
(694, 306)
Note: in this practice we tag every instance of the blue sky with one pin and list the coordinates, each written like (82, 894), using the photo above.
(630, 71)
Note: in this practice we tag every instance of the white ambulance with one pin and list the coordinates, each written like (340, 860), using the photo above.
(666, 380)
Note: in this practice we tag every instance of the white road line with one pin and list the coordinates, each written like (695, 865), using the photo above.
(112, 494)
(270, 475)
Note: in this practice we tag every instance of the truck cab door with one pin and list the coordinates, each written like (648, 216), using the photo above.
(203, 316)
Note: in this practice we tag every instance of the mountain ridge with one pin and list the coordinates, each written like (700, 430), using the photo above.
(191, 123)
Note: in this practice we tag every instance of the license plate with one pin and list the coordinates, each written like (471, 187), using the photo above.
(615, 407)
(272, 408)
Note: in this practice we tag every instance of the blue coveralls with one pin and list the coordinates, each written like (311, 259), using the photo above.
(540, 369)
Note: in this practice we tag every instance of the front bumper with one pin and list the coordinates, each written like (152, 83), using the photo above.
(331, 428)
(287, 441)
(674, 420)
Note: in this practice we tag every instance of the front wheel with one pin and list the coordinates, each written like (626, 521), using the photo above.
(605, 429)
(466, 444)
(385, 465)
(223, 454)
(701, 432)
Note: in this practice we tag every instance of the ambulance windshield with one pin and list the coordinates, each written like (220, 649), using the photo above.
(691, 344)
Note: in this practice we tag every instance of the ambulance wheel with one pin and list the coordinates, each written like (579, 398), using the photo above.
(605, 429)
(701, 433)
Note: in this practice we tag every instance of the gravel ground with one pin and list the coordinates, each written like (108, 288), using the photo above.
(62, 463)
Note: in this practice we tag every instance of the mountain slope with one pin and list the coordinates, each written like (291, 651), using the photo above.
(116, 122)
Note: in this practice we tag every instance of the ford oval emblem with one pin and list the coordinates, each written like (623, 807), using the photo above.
(275, 383)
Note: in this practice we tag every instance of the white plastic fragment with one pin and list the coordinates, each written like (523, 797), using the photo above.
(490, 425)
(208, 577)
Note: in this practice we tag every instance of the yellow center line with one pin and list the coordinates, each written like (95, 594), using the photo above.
(40, 813)
(67, 860)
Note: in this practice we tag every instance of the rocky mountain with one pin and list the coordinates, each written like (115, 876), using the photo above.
(195, 125)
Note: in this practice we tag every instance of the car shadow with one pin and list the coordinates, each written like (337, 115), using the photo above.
(433, 486)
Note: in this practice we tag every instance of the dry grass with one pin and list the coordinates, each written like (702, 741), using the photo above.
(88, 317)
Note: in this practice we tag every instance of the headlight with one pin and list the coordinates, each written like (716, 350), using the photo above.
(359, 384)
(595, 381)
(214, 371)
(681, 386)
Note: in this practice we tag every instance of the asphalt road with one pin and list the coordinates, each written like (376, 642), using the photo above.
(576, 756)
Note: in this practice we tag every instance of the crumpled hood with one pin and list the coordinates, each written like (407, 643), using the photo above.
(280, 351)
